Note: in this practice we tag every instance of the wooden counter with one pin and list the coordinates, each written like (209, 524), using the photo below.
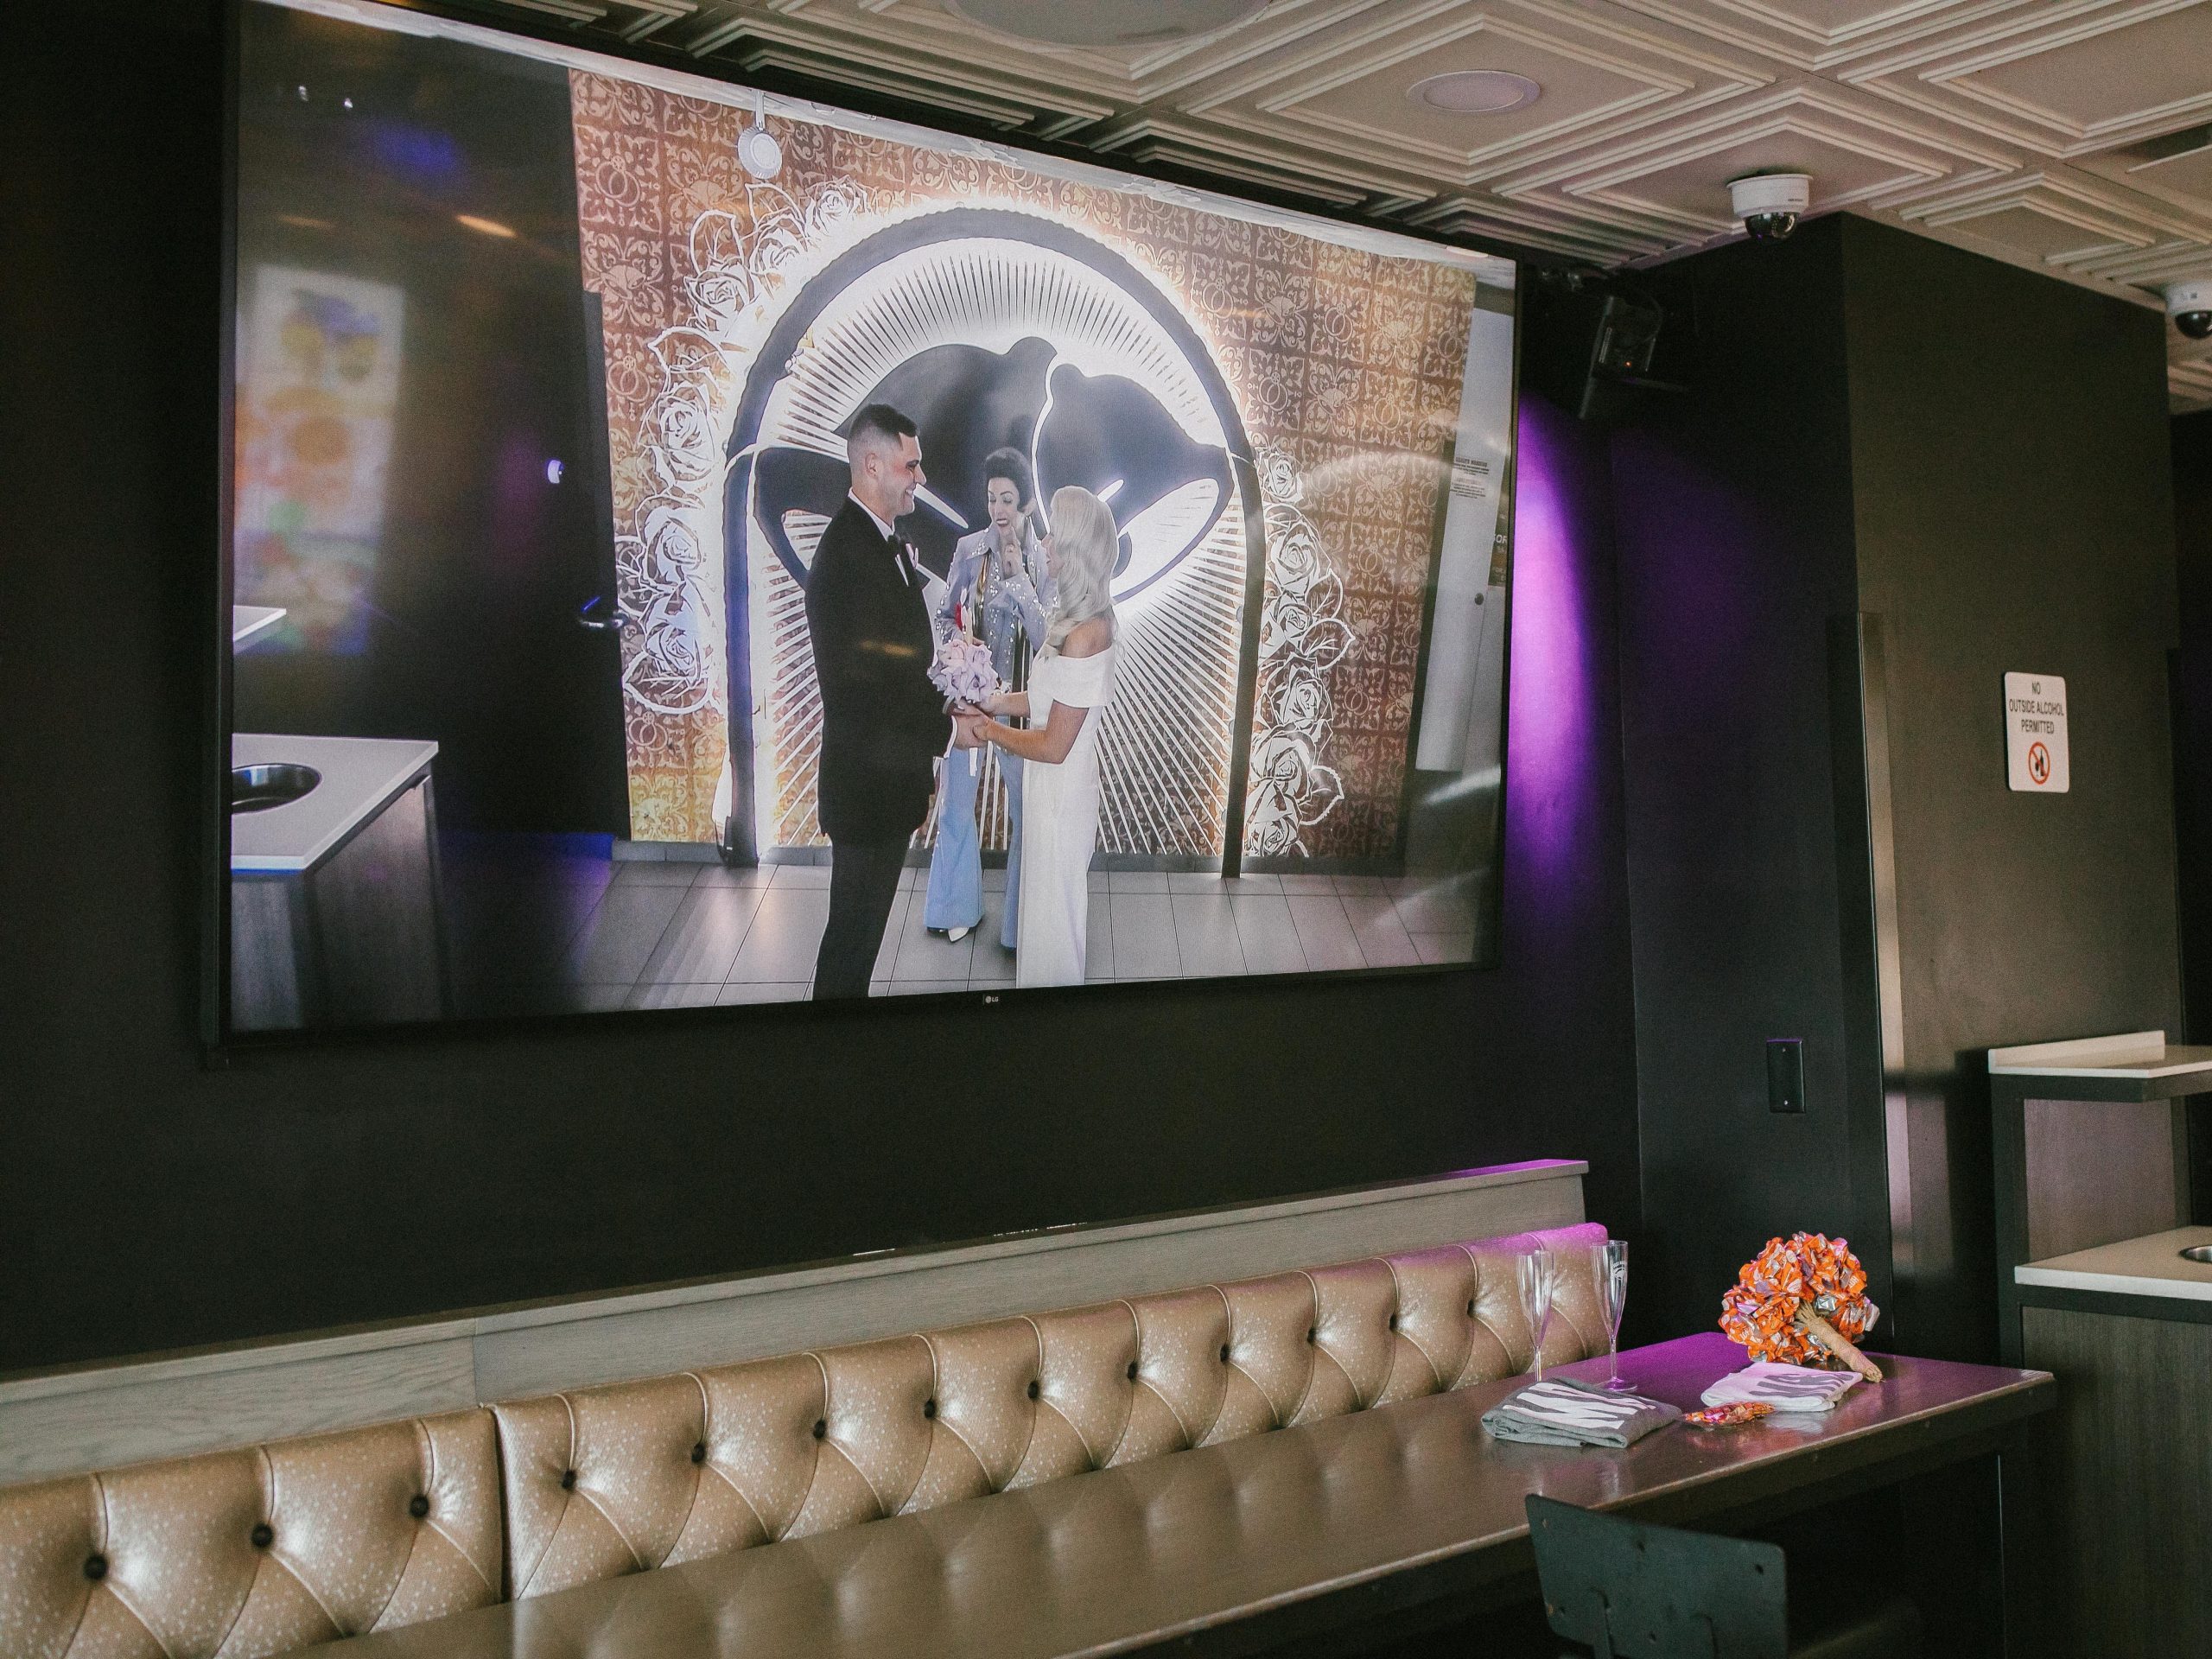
(1234, 1547)
(2093, 1203)
(2151, 1266)
(2089, 1141)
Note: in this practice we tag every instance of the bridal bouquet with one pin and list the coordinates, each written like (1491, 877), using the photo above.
(962, 671)
(1802, 1302)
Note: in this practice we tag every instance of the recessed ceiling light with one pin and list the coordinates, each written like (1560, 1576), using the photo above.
(486, 226)
(1476, 92)
(1107, 23)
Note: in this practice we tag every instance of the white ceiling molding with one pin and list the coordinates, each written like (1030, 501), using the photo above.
(2018, 129)
(2152, 268)
(2061, 220)
(2127, 71)
(2189, 382)
(1130, 75)
(1533, 226)
(1674, 182)
(1351, 93)
(1812, 36)
(1341, 180)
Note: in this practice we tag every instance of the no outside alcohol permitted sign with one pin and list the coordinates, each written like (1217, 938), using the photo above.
(2035, 733)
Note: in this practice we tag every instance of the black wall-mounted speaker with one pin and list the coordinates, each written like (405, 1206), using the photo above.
(1587, 348)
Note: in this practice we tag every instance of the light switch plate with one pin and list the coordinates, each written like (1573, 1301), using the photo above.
(1785, 1074)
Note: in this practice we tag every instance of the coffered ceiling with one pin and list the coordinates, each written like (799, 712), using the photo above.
(2073, 137)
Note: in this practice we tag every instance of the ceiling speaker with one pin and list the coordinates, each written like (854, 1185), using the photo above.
(1476, 92)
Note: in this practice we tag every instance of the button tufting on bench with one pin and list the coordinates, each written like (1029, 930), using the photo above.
(928, 1420)
(175, 1557)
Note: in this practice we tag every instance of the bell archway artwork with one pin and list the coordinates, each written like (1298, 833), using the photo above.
(995, 329)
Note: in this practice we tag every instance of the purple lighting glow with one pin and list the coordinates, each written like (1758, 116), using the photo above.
(1551, 712)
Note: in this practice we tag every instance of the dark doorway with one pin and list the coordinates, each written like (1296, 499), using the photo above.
(425, 191)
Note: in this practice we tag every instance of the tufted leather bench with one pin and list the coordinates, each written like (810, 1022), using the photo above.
(605, 1481)
(245, 1553)
(235, 1554)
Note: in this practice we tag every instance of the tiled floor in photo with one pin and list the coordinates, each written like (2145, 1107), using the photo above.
(566, 934)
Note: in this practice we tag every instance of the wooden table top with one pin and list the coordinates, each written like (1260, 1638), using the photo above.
(1122, 1558)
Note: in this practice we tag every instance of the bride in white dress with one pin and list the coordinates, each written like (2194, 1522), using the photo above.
(1069, 685)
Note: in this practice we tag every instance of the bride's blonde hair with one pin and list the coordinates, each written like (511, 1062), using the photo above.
(1084, 542)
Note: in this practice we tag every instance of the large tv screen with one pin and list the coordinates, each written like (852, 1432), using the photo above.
(688, 547)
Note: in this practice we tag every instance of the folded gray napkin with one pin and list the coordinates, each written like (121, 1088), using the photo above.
(1786, 1388)
(1560, 1411)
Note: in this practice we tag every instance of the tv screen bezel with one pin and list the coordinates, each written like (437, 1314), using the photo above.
(802, 97)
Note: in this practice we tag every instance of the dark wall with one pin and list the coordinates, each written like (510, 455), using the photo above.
(2192, 462)
(1735, 536)
(1977, 455)
(2009, 453)
(146, 1202)
(2192, 715)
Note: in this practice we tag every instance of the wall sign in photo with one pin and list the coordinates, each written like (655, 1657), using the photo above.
(2035, 735)
(603, 688)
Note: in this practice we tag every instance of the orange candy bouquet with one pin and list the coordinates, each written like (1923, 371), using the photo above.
(1802, 1301)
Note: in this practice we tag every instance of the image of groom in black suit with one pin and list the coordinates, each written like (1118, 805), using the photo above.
(883, 723)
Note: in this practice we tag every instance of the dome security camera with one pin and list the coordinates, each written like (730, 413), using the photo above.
(1769, 203)
(2190, 304)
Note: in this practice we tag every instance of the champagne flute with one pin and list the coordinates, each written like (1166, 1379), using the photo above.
(1537, 1270)
(1609, 1271)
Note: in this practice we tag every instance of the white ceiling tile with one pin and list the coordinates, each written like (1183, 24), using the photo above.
(2101, 219)
(2111, 78)
(2188, 384)
(2186, 179)
(1818, 33)
(1350, 96)
(2031, 227)
(2181, 180)
(1370, 102)
(2018, 128)
(2066, 77)
(1675, 178)
(2151, 268)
